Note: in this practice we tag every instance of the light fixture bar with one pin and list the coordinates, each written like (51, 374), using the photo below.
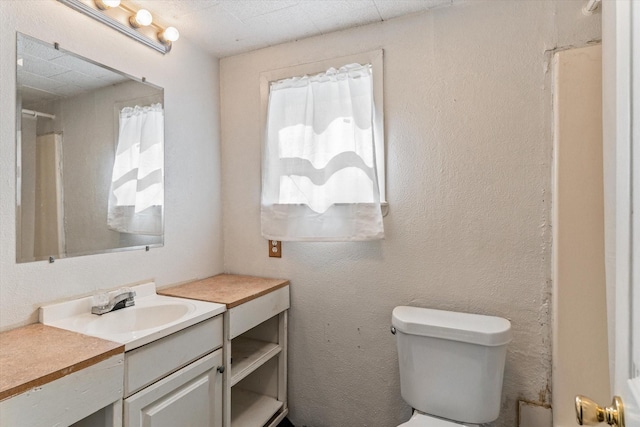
(116, 25)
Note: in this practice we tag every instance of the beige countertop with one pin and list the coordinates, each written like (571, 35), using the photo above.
(34, 355)
(229, 289)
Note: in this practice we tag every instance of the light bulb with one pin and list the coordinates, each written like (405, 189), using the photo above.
(141, 19)
(170, 34)
(107, 4)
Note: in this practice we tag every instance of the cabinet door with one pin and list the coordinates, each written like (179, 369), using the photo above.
(190, 397)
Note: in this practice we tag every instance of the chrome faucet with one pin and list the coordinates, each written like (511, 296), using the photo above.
(123, 298)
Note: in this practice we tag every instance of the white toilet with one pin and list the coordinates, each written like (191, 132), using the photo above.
(451, 365)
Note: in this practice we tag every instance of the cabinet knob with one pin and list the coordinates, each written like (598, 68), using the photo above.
(220, 369)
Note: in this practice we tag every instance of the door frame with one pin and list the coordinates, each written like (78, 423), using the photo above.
(620, 25)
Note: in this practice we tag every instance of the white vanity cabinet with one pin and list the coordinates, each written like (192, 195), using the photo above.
(177, 380)
(255, 345)
(169, 369)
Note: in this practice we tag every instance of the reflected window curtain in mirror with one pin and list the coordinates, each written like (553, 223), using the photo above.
(320, 178)
(136, 198)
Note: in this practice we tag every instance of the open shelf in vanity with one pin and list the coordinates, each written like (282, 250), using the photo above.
(248, 355)
(255, 345)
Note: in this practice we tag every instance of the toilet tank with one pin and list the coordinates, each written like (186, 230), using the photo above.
(451, 364)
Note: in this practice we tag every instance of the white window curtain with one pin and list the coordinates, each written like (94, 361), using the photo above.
(319, 179)
(136, 197)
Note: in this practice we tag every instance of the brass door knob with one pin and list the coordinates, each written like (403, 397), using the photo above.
(589, 413)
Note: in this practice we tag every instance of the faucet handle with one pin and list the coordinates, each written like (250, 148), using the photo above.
(101, 299)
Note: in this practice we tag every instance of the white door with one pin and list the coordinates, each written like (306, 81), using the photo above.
(621, 122)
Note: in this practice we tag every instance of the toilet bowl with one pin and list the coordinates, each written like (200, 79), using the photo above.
(451, 365)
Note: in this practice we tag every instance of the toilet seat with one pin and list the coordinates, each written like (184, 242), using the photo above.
(419, 419)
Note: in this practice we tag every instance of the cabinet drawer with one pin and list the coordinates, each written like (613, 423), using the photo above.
(158, 359)
(252, 313)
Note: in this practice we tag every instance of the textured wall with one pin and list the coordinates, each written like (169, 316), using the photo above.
(192, 216)
(468, 116)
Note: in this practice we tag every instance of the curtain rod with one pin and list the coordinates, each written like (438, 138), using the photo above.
(38, 114)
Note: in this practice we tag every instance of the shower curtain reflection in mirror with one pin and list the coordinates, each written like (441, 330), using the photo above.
(41, 197)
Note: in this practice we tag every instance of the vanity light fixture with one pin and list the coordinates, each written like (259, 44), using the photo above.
(170, 34)
(142, 18)
(139, 26)
(107, 4)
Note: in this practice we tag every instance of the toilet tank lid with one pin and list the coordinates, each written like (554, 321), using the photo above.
(471, 328)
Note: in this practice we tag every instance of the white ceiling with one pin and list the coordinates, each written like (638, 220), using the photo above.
(229, 27)
(221, 27)
(46, 74)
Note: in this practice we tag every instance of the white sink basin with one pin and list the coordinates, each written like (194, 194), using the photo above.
(152, 317)
(136, 318)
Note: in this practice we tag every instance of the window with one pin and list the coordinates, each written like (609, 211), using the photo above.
(323, 156)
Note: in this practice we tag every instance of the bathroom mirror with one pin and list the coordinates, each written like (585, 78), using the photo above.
(90, 156)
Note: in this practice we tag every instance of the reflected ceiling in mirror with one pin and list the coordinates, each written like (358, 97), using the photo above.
(90, 156)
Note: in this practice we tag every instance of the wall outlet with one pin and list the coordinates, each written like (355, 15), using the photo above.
(275, 248)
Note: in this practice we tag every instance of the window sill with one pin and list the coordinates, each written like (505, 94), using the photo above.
(384, 206)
